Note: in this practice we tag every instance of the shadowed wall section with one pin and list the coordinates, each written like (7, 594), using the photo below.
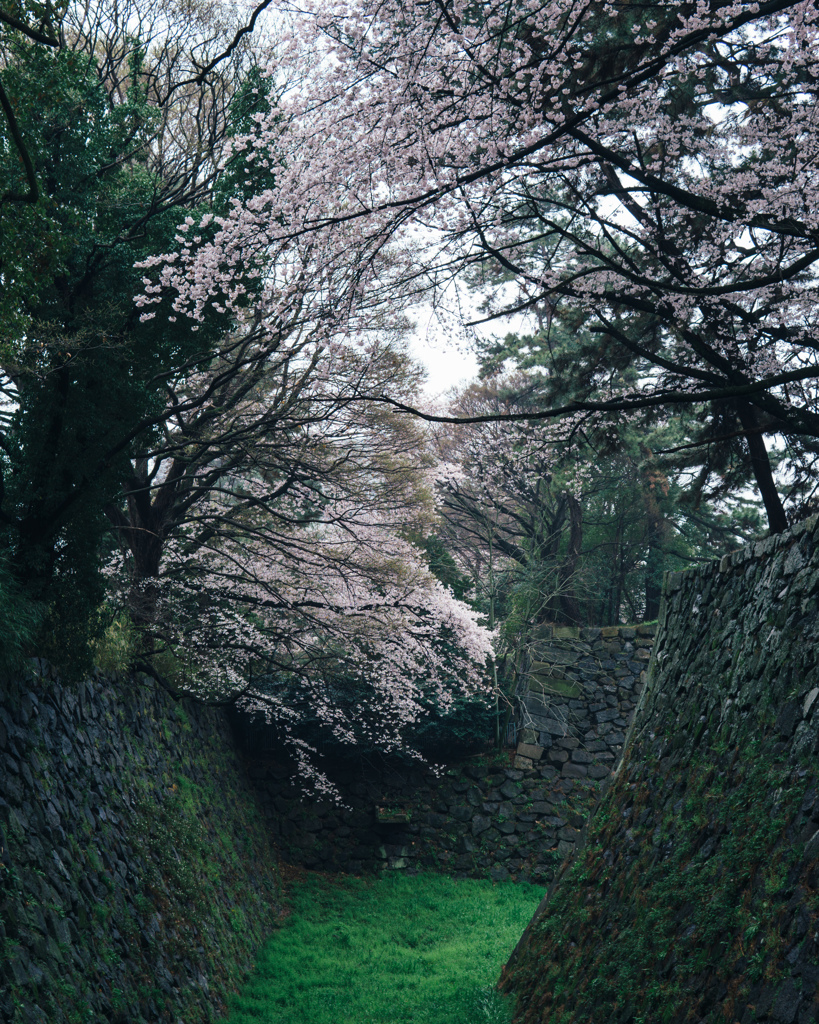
(483, 816)
(136, 877)
(694, 892)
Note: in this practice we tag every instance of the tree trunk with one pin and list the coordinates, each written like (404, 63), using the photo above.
(761, 467)
(653, 577)
(144, 529)
(568, 596)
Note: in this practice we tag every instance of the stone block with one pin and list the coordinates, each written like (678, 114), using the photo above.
(554, 727)
(786, 1003)
(434, 820)
(530, 750)
(672, 581)
(787, 718)
(550, 656)
(559, 686)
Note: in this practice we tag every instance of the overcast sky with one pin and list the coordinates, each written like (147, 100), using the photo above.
(447, 367)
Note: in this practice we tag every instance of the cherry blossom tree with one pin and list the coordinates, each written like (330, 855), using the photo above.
(265, 556)
(651, 168)
(262, 509)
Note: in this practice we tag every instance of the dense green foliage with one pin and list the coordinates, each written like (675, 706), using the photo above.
(19, 620)
(400, 950)
(596, 510)
(84, 380)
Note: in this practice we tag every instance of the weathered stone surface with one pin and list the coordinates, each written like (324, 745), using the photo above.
(98, 841)
(554, 686)
(786, 1003)
(592, 709)
(716, 804)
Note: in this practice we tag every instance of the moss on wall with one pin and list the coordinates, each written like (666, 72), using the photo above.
(137, 878)
(695, 893)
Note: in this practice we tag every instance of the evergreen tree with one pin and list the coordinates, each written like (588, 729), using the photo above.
(83, 379)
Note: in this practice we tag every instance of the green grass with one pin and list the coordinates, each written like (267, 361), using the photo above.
(424, 949)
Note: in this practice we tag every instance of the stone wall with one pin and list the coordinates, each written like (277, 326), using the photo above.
(694, 893)
(476, 819)
(136, 876)
(582, 688)
(482, 816)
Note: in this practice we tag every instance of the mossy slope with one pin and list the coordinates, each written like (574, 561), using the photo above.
(137, 880)
(696, 894)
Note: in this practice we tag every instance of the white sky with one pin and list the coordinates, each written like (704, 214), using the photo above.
(447, 366)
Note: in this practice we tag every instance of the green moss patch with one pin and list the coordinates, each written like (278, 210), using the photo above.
(682, 905)
(543, 683)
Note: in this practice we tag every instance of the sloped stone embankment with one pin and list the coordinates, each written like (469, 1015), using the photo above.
(136, 877)
(694, 895)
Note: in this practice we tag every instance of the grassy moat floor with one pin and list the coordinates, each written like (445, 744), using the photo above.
(420, 949)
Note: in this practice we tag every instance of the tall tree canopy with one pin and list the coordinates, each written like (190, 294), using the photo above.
(649, 168)
(218, 480)
(206, 251)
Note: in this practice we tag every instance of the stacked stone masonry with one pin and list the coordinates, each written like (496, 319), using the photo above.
(477, 819)
(693, 894)
(136, 878)
(480, 818)
(581, 691)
